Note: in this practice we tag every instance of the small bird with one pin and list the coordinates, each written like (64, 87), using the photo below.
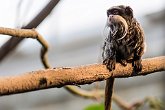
(125, 40)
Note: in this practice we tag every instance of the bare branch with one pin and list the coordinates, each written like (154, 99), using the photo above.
(59, 77)
(12, 43)
(31, 33)
(19, 33)
(27, 33)
(121, 103)
(92, 94)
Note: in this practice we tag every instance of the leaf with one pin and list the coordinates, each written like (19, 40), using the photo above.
(95, 107)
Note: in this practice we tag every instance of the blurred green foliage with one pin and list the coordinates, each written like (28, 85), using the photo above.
(95, 107)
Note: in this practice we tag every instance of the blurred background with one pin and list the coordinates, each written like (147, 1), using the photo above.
(75, 33)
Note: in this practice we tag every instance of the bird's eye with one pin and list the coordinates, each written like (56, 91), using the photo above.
(115, 12)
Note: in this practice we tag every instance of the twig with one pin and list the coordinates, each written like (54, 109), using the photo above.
(60, 77)
(100, 93)
(93, 94)
(122, 103)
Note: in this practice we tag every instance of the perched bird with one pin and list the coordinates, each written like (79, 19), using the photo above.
(124, 43)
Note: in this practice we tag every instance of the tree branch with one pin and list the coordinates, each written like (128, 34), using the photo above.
(59, 77)
(27, 33)
(12, 43)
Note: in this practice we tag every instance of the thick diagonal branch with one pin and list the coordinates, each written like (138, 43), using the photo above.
(59, 77)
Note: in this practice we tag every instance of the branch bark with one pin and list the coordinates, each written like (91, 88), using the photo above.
(49, 78)
(12, 43)
(29, 33)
